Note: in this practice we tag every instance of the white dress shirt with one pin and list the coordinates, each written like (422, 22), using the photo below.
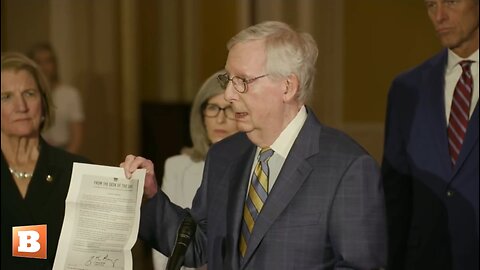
(453, 71)
(281, 147)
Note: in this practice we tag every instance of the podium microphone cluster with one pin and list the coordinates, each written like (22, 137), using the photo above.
(184, 236)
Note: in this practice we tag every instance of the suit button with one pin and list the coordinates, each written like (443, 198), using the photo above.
(449, 193)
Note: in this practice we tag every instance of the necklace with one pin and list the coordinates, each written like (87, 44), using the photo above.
(20, 175)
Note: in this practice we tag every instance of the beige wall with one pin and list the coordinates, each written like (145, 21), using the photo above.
(120, 53)
(381, 39)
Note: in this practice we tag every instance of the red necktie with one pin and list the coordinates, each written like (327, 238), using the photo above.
(460, 111)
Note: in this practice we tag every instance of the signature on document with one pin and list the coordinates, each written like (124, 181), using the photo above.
(104, 261)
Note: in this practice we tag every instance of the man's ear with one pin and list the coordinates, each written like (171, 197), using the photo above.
(291, 88)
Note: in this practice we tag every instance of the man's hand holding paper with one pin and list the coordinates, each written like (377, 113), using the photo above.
(101, 218)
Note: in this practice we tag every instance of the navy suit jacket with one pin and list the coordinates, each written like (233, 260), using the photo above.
(432, 207)
(325, 211)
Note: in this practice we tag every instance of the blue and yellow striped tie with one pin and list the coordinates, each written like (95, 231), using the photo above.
(257, 195)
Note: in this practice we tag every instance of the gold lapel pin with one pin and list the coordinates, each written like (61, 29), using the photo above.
(49, 178)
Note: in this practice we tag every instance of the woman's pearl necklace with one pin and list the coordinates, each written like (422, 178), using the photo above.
(20, 175)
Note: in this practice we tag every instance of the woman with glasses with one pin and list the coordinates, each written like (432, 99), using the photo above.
(211, 120)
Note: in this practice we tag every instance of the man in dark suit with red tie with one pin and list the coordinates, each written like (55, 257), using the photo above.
(430, 164)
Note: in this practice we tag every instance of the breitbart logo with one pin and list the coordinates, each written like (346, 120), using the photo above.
(30, 241)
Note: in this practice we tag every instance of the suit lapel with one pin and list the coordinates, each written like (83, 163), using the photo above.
(293, 174)
(43, 181)
(238, 175)
(39, 189)
(437, 123)
(11, 194)
(433, 83)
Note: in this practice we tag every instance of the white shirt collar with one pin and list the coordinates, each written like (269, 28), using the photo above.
(284, 142)
(454, 59)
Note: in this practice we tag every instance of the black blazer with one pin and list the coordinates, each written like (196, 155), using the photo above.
(44, 203)
(432, 208)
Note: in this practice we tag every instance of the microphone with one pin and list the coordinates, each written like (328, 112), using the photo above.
(184, 236)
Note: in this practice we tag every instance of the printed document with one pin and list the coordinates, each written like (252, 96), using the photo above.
(101, 221)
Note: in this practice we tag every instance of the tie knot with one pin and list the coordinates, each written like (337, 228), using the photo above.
(465, 64)
(265, 154)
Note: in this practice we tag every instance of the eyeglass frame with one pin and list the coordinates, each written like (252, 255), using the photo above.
(224, 109)
(224, 80)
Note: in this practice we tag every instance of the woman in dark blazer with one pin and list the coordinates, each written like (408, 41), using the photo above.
(35, 176)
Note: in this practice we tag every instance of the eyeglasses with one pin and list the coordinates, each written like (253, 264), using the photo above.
(240, 84)
(212, 110)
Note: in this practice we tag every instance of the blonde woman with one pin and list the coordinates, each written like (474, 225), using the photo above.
(35, 175)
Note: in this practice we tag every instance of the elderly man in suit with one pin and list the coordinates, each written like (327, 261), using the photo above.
(430, 164)
(284, 193)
